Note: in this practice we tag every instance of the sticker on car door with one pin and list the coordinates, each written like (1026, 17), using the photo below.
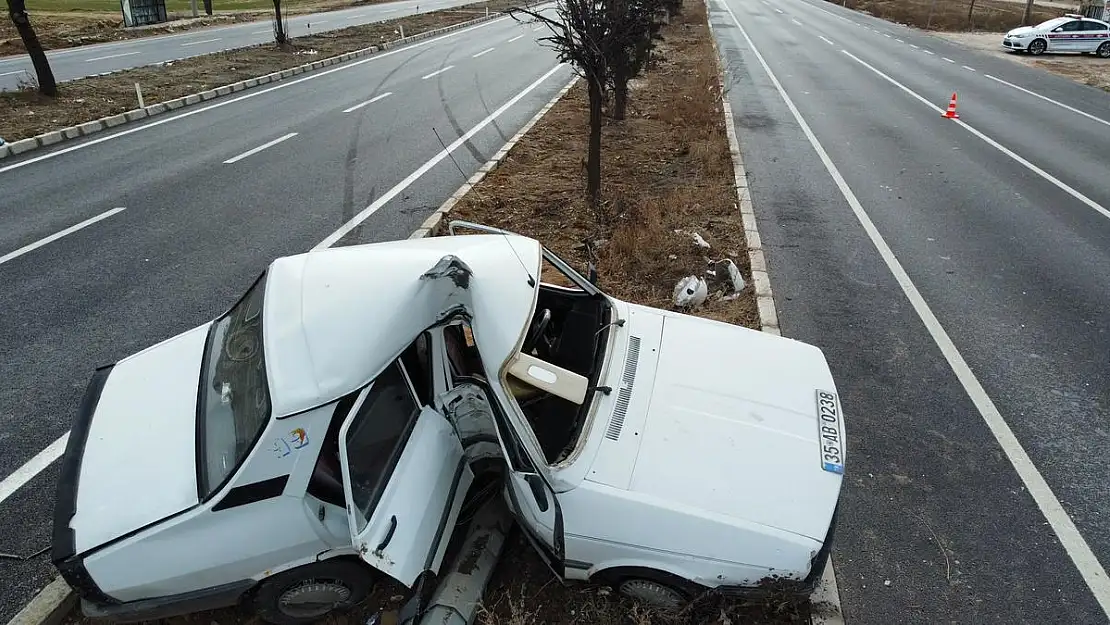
(830, 432)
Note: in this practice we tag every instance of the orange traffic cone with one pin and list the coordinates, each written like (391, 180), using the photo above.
(951, 112)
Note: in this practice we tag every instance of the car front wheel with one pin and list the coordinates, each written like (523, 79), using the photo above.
(1104, 50)
(308, 593)
(1037, 47)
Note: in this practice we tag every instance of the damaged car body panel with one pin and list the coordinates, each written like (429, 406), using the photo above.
(347, 403)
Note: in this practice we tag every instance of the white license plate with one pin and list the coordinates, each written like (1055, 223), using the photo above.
(830, 432)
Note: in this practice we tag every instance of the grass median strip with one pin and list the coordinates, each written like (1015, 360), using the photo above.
(26, 113)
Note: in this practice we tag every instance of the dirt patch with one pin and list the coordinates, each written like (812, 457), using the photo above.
(71, 27)
(25, 113)
(665, 168)
(992, 15)
(1088, 70)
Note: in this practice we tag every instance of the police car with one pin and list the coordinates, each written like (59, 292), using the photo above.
(1070, 33)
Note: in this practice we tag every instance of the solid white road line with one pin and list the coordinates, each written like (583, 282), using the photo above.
(110, 56)
(33, 467)
(57, 235)
(514, 38)
(268, 144)
(252, 94)
(261, 32)
(1076, 546)
(1046, 99)
(1001, 148)
(486, 51)
(795, 21)
(970, 69)
(437, 72)
(195, 43)
(370, 101)
(442, 154)
(18, 71)
(827, 40)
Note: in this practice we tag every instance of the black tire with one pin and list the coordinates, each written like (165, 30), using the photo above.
(308, 593)
(657, 589)
(1104, 50)
(1037, 47)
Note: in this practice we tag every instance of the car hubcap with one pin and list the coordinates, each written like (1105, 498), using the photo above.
(312, 598)
(652, 593)
(1036, 47)
(1104, 50)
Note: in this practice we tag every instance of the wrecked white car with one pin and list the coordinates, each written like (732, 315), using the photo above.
(323, 433)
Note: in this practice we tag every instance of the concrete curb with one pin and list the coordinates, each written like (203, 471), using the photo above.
(433, 222)
(49, 607)
(104, 123)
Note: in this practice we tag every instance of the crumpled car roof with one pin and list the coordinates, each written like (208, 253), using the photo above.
(333, 319)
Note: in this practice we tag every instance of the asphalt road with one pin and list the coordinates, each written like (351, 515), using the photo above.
(979, 249)
(196, 229)
(71, 63)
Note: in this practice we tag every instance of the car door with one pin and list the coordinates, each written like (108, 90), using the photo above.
(1094, 34)
(1064, 38)
(404, 478)
(530, 496)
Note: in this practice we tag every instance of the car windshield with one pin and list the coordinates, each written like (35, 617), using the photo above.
(234, 405)
(1052, 23)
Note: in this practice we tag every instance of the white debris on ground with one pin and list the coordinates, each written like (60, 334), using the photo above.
(727, 275)
(690, 292)
(725, 281)
(698, 240)
(307, 52)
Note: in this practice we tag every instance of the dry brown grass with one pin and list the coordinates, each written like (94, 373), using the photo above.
(665, 168)
(994, 15)
(25, 113)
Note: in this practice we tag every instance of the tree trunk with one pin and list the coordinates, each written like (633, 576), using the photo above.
(17, 10)
(593, 157)
(1025, 19)
(970, 10)
(279, 26)
(208, 7)
(620, 94)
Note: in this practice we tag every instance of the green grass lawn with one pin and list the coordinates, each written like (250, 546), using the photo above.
(112, 6)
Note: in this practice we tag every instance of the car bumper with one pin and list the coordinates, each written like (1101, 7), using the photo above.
(1012, 44)
(166, 607)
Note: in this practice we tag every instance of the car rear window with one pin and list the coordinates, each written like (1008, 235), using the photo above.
(234, 404)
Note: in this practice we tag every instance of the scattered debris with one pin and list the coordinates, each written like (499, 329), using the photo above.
(698, 240)
(690, 292)
(305, 52)
(726, 277)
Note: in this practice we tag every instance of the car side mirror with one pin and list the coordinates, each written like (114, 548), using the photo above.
(536, 484)
(591, 273)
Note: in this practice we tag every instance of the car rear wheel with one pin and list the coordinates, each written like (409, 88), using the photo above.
(1104, 50)
(308, 593)
(1037, 47)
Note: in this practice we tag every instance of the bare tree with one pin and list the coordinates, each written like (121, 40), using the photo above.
(578, 36)
(17, 10)
(208, 7)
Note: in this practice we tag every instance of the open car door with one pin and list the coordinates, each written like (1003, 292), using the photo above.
(404, 477)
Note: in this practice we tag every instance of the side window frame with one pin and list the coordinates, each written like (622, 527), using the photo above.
(363, 516)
